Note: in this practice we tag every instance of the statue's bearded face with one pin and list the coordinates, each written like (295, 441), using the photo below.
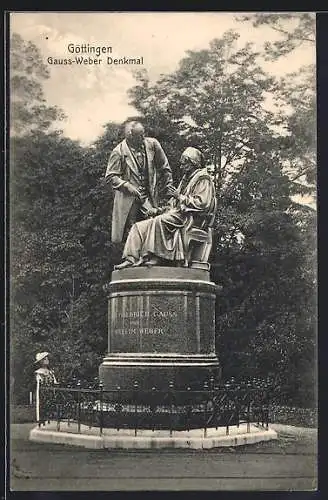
(186, 164)
(136, 136)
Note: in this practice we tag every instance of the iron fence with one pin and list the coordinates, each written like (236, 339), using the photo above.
(212, 406)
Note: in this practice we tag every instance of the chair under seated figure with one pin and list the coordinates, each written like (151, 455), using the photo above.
(197, 242)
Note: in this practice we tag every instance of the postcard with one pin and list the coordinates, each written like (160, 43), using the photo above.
(162, 209)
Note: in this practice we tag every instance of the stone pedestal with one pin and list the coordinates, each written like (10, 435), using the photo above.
(161, 328)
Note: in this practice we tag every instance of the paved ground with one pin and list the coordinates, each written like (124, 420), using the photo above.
(287, 464)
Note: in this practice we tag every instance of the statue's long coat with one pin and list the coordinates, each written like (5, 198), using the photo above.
(161, 235)
(122, 167)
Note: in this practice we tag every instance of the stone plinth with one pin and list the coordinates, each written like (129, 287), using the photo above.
(196, 439)
(161, 328)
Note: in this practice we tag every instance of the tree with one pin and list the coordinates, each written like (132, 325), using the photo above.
(295, 95)
(296, 101)
(28, 108)
(291, 37)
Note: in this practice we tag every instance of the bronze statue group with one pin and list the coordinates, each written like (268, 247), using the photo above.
(157, 232)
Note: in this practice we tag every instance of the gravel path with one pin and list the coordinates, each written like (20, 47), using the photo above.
(286, 464)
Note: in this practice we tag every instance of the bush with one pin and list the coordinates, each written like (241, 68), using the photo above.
(22, 414)
(303, 417)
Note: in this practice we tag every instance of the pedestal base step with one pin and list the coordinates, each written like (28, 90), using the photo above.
(158, 370)
(196, 439)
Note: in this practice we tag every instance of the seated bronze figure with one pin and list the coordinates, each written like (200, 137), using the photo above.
(182, 234)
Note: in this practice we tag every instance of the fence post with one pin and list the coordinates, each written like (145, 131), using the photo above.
(58, 414)
(213, 407)
(228, 406)
(101, 399)
(37, 401)
(171, 397)
(233, 401)
(205, 408)
(266, 404)
(189, 408)
(70, 415)
(237, 395)
(51, 405)
(135, 396)
(249, 393)
(79, 406)
(118, 407)
(216, 393)
(153, 408)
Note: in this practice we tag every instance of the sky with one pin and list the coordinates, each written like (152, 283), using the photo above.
(91, 96)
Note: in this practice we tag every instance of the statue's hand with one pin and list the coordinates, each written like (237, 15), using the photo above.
(152, 212)
(142, 195)
(181, 201)
(138, 193)
(161, 210)
(173, 192)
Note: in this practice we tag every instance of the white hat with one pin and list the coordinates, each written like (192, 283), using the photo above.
(40, 355)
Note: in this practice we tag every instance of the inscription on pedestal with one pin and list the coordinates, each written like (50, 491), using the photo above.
(158, 322)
